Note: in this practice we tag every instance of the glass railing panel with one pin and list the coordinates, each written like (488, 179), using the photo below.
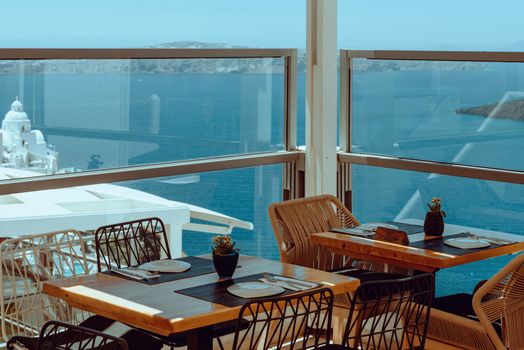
(457, 112)
(111, 113)
(244, 194)
(381, 194)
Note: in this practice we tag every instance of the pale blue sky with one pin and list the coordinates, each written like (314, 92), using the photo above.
(363, 24)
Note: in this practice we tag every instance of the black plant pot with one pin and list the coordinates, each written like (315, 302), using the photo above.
(434, 224)
(225, 265)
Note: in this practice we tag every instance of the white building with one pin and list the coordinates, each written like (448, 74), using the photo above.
(23, 148)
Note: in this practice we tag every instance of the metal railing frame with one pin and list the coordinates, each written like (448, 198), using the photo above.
(346, 157)
(287, 156)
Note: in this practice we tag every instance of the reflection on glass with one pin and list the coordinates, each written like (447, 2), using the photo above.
(381, 194)
(244, 194)
(111, 113)
(458, 112)
(217, 202)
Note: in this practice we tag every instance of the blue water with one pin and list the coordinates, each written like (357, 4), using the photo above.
(208, 115)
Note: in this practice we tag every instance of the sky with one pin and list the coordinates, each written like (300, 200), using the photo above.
(362, 24)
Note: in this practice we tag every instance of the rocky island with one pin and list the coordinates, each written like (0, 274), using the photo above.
(513, 109)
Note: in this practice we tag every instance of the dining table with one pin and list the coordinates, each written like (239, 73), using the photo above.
(423, 252)
(178, 306)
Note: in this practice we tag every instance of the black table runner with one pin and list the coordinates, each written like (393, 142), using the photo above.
(217, 292)
(410, 229)
(199, 266)
(438, 245)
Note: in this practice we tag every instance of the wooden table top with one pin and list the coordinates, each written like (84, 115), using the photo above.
(159, 309)
(416, 258)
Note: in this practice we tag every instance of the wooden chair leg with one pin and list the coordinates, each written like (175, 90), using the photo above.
(339, 324)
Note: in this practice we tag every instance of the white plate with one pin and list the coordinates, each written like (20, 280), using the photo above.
(372, 226)
(254, 290)
(166, 266)
(467, 243)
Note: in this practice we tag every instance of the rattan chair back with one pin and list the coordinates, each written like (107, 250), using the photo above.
(501, 300)
(131, 243)
(390, 314)
(62, 336)
(298, 321)
(25, 264)
(295, 220)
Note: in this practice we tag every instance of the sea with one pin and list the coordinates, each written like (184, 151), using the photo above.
(108, 120)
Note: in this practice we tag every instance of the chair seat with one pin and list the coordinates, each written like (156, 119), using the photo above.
(458, 304)
(219, 330)
(136, 339)
(461, 305)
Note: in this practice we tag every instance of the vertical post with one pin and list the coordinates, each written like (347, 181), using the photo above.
(291, 174)
(21, 81)
(321, 97)
(174, 235)
(345, 101)
(344, 169)
(290, 102)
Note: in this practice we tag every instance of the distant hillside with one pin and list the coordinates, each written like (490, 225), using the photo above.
(251, 65)
(213, 66)
(157, 66)
(194, 45)
(513, 109)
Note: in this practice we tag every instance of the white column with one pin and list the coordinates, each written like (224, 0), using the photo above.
(174, 235)
(321, 97)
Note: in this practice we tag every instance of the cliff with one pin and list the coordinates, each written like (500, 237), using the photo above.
(513, 109)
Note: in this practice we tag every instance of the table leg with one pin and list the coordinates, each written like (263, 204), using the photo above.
(200, 339)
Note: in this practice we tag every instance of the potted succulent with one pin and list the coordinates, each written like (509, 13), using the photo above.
(434, 222)
(225, 256)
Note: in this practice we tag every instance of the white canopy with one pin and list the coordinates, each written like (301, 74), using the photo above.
(88, 207)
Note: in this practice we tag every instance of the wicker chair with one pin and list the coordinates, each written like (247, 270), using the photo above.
(25, 264)
(292, 321)
(491, 318)
(136, 242)
(131, 243)
(389, 314)
(295, 220)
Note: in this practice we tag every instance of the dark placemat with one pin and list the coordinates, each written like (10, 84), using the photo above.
(410, 229)
(438, 245)
(217, 292)
(199, 266)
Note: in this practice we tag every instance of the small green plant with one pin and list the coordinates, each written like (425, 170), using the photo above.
(223, 245)
(436, 206)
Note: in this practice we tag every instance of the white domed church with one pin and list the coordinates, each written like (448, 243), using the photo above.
(23, 148)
